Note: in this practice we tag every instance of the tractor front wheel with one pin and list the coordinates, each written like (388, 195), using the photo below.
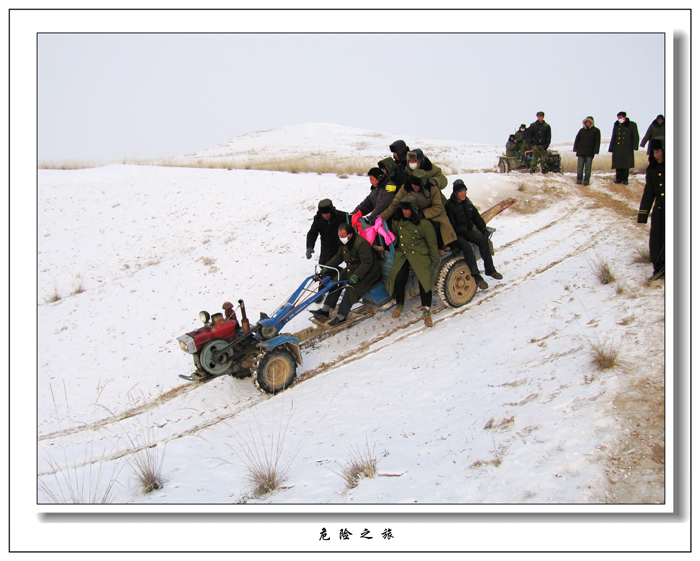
(274, 370)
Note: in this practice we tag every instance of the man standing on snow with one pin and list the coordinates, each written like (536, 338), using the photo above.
(623, 143)
(539, 135)
(656, 130)
(654, 197)
(586, 146)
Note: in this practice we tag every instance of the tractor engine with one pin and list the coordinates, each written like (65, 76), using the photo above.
(215, 327)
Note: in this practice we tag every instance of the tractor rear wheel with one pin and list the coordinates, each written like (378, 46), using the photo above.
(455, 284)
(274, 370)
(214, 365)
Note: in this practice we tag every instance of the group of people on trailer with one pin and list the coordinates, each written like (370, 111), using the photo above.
(406, 206)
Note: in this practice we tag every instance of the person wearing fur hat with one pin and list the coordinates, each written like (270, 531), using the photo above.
(325, 224)
(361, 270)
(586, 146)
(653, 202)
(417, 250)
(395, 166)
(511, 146)
(520, 144)
(656, 130)
(381, 193)
(421, 167)
(431, 205)
(623, 143)
(470, 227)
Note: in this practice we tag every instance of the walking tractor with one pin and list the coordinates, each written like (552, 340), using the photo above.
(226, 346)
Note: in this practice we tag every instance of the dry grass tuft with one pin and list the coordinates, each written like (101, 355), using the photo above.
(602, 269)
(147, 462)
(642, 256)
(604, 356)
(261, 455)
(79, 286)
(362, 463)
(147, 467)
(54, 296)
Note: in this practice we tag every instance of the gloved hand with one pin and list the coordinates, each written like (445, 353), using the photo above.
(309, 251)
(353, 279)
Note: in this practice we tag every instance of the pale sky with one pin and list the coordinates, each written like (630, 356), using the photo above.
(109, 96)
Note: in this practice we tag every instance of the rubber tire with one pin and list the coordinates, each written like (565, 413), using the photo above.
(275, 370)
(503, 166)
(456, 285)
(207, 365)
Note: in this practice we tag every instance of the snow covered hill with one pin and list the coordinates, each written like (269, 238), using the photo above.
(338, 143)
(497, 404)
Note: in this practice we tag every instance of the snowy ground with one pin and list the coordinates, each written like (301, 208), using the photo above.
(497, 404)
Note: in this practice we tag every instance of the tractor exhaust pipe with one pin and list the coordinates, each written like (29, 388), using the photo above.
(245, 324)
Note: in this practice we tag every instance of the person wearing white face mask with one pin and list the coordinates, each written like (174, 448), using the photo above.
(421, 167)
(361, 270)
(623, 143)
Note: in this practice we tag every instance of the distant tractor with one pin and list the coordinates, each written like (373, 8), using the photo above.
(507, 164)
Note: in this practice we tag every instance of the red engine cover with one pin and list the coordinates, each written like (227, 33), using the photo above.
(223, 330)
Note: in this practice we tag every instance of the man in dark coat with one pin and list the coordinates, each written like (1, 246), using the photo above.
(470, 227)
(395, 166)
(361, 270)
(623, 143)
(586, 146)
(380, 196)
(539, 135)
(325, 224)
(653, 201)
(417, 250)
(656, 130)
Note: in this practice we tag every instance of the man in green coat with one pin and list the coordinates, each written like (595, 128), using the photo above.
(361, 271)
(416, 249)
(429, 201)
(421, 167)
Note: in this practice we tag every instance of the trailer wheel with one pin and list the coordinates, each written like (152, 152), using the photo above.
(503, 166)
(213, 366)
(274, 370)
(456, 285)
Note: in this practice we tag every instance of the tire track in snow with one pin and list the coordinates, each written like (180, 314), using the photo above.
(391, 334)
